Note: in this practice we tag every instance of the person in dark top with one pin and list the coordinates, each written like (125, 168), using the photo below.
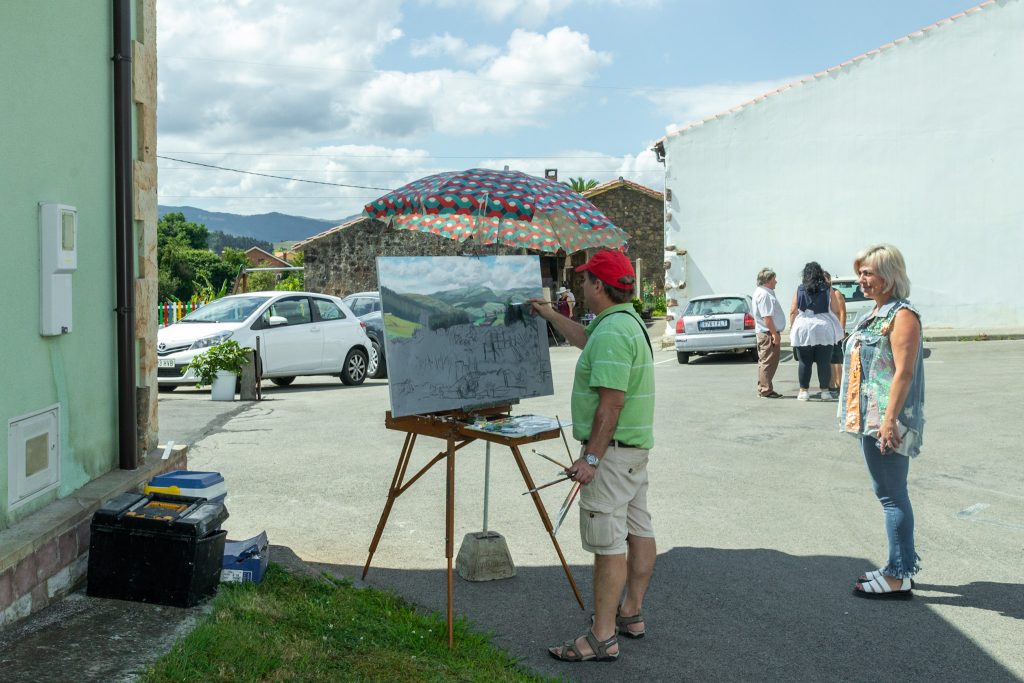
(814, 330)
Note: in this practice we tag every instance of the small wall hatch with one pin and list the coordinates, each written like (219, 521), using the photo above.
(33, 456)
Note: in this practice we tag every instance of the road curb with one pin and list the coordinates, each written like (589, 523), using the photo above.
(667, 342)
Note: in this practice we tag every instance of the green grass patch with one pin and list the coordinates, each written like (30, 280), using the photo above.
(295, 628)
(399, 327)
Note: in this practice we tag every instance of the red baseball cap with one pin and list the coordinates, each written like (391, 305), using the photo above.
(609, 266)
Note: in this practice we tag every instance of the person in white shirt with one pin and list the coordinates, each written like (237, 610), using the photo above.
(769, 321)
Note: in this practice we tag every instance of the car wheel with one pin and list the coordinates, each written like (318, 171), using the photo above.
(753, 355)
(282, 381)
(354, 370)
(166, 388)
(376, 367)
(683, 358)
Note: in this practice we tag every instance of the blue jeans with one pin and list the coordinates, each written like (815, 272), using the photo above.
(889, 480)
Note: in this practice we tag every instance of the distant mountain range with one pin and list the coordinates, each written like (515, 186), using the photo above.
(270, 227)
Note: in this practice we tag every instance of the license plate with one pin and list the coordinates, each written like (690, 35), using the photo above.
(165, 363)
(712, 324)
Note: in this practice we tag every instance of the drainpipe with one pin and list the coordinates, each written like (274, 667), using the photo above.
(127, 410)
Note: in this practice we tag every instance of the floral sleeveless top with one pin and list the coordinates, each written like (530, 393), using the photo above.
(868, 369)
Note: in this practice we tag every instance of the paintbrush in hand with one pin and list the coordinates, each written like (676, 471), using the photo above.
(550, 483)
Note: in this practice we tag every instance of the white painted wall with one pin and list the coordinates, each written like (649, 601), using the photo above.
(920, 144)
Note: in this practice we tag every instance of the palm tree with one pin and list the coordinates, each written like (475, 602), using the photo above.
(581, 185)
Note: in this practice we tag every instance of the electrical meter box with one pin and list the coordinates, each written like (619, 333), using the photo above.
(58, 259)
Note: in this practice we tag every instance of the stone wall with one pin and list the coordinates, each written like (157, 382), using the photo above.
(343, 260)
(643, 217)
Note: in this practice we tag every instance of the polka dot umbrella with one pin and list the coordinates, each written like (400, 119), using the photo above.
(498, 207)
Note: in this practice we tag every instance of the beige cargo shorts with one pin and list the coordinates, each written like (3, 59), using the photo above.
(614, 503)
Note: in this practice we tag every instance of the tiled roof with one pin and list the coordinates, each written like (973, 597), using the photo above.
(621, 182)
(821, 74)
(329, 231)
(267, 254)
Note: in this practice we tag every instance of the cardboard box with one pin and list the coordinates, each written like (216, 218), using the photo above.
(245, 560)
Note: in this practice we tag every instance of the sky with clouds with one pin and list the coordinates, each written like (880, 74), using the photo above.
(364, 96)
(425, 275)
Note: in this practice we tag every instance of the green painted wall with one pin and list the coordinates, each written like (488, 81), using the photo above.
(56, 145)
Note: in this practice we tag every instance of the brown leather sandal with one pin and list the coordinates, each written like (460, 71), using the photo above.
(568, 652)
(623, 623)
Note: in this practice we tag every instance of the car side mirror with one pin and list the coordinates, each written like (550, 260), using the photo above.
(277, 320)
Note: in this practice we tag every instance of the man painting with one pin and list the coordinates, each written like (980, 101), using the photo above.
(613, 417)
(769, 322)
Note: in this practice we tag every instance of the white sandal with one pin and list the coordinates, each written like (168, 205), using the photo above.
(877, 574)
(878, 587)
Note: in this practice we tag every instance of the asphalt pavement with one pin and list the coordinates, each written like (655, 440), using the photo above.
(764, 516)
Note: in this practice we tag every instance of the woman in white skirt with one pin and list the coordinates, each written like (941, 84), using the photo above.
(813, 331)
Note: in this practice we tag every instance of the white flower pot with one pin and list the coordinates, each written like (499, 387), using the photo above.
(223, 387)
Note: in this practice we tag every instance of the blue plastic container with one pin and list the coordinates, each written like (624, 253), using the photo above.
(208, 485)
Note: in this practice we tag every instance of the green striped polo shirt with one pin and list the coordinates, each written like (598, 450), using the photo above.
(616, 357)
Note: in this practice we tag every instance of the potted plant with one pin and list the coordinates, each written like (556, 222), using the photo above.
(220, 367)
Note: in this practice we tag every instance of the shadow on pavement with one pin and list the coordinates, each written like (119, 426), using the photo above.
(1007, 599)
(728, 615)
(723, 359)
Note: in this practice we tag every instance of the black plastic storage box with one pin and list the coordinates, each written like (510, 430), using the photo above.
(156, 548)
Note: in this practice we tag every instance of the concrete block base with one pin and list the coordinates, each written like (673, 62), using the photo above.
(484, 556)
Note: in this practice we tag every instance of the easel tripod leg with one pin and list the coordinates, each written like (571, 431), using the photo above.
(546, 520)
(449, 531)
(393, 493)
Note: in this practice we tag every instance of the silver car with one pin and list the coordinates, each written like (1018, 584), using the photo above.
(856, 303)
(716, 323)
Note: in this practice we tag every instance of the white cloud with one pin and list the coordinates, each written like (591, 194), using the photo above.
(233, 73)
(531, 13)
(423, 276)
(536, 73)
(243, 82)
(181, 184)
(457, 48)
(522, 12)
(687, 105)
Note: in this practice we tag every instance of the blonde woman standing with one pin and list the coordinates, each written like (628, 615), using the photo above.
(882, 403)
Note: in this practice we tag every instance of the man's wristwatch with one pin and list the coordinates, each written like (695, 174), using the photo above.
(591, 459)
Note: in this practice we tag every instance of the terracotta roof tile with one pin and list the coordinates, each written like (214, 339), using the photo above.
(622, 182)
(329, 231)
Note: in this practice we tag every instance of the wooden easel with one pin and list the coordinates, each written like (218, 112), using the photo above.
(452, 427)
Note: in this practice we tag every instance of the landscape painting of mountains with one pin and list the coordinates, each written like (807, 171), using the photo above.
(458, 333)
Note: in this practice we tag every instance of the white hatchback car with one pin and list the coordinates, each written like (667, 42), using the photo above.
(716, 323)
(856, 303)
(300, 333)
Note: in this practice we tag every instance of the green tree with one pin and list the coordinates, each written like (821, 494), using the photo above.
(293, 280)
(262, 281)
(581, 185)
(174, 225)
(234, 260)
(187, 269)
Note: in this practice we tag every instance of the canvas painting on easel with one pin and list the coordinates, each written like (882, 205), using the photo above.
(456, 332)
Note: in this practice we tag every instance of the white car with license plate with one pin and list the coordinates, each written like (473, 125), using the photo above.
(856, 303)
(716, 323)
(300, 333)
